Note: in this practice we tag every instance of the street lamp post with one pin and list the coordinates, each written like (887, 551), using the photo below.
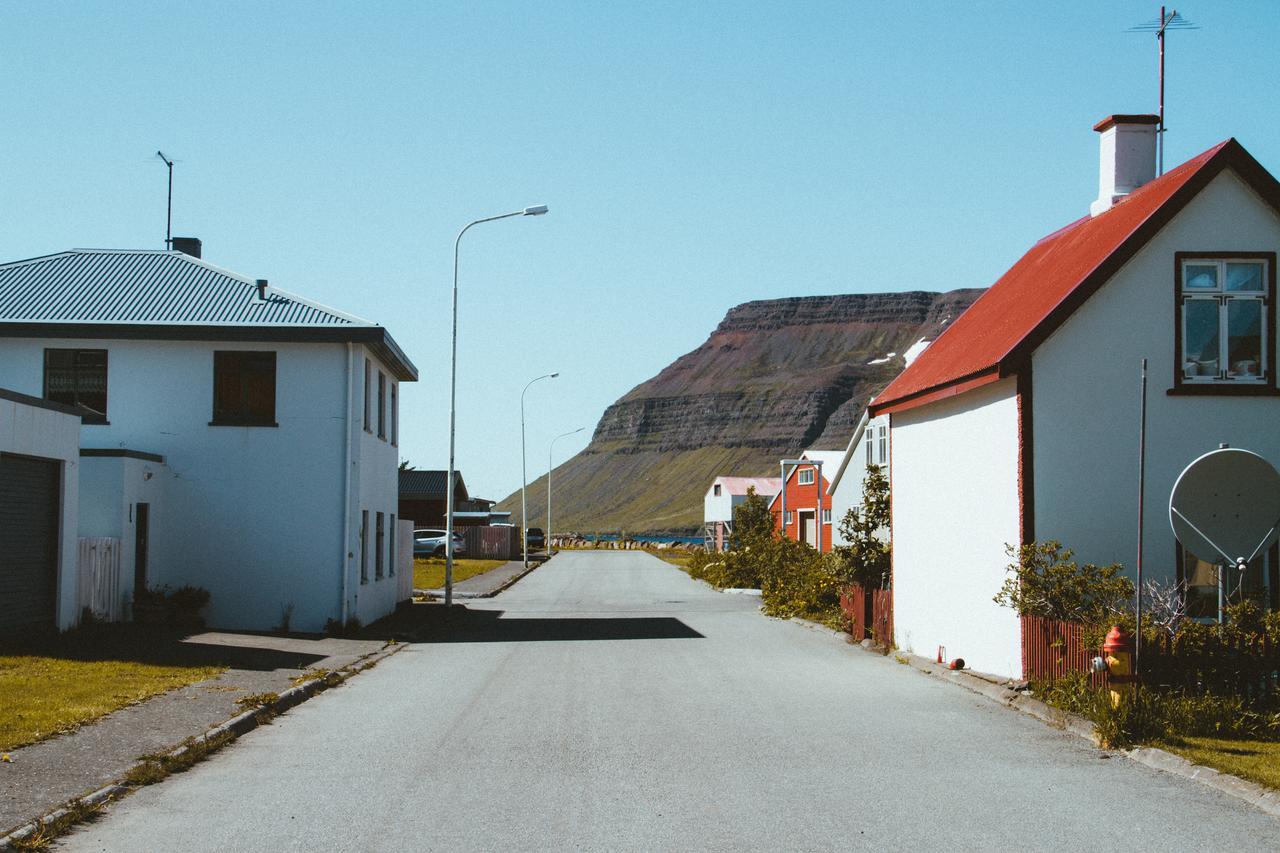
(549, 450)
(524, 506)
(536, 210)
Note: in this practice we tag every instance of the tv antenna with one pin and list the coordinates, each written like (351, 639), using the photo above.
(168, 214)
(1170, 21)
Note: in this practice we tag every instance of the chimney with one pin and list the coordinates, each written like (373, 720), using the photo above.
(186, 245)
(1127, 159)
(262, 289)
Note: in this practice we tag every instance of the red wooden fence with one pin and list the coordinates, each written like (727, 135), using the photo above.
(870, 613)
(1051, 649)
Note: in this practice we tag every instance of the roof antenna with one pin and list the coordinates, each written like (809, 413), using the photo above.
(1166, 22)
(168, 214)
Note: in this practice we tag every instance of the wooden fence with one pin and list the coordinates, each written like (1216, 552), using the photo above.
(492, 542)
(870, 613)
(1199, 659)
(98, 578)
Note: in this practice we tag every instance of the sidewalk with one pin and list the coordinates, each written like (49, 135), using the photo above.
(45, 775)
(488, 584)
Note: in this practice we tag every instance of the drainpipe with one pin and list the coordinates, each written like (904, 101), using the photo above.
(346, 469)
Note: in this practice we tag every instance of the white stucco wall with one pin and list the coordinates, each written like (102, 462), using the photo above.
(717, 507)
(955, 506)
(35, 431)
(253, 514)
(1085, 394)
(110, 489)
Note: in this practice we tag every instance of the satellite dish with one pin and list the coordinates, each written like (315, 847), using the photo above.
(1225, 506)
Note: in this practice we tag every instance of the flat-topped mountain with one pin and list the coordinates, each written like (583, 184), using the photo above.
(776, 376)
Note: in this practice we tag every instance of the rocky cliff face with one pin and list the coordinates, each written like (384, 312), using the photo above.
(776, 377)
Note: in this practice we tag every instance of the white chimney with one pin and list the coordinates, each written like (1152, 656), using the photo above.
(1127, 157)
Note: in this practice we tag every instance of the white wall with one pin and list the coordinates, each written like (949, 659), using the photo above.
(848, 492)
(1085, 394)
(955, 506)
(376, 483)
(36, 431)
(110, 489)
(253, 514)
(717, 507)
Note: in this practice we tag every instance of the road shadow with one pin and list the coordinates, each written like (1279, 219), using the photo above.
(432, 623)
(149, 644)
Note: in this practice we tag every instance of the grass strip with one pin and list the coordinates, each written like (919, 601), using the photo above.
(1255, 760)
(428, 572)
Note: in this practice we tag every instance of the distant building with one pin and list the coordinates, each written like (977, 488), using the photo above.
(802, 508)
(422, 496)
(722, 500)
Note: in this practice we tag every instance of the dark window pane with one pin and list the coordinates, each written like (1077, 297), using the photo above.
(1200, 345)
(1244, 277)
(1244, 338)
(78, 377)
(244, 387)
(1200, 276)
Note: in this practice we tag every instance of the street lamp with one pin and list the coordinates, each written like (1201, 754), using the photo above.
(549, 449)
(536, 210)
(524, 506)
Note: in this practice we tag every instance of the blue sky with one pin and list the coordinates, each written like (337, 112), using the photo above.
(694, 156)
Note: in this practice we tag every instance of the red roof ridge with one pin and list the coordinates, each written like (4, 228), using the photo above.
(1054, 277)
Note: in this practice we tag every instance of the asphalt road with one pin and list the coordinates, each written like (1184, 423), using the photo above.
(685, 720)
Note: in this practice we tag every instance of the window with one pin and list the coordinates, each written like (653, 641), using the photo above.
(391, 547)
(883, 433)
(805, 477)
(369, 402)
(395, 417)
(788, 521)
(1225, 322)
(78, 377)
(244, 388)
(364, 546)
(870, 448)
(716, 490)
(826, 516)
(382, 405)
(1198, 581)
(379, 543)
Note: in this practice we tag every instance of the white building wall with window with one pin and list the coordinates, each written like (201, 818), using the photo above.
(377, 490)
(868, 446)
(1086, 457)
(254, 514)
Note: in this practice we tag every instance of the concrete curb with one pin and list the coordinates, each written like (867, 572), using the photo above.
(503, 587)
(236, 726)
(1262, 798)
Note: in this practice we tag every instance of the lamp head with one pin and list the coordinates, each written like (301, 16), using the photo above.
(536, 210)
(554, 375)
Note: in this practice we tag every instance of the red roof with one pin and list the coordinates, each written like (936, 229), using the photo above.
(1000, 330)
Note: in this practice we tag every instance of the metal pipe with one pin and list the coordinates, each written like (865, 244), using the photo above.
(1142, 482)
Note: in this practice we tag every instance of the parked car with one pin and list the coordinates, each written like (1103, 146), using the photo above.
(431, 543)
(536, 538)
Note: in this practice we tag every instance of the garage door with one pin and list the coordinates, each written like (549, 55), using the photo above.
(28, 541)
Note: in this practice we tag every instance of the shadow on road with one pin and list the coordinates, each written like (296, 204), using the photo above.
(431, 623)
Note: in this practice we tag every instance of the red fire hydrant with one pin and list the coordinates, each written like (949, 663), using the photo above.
(1118, 648)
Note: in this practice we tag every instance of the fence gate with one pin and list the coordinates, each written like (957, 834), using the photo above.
(98, 576)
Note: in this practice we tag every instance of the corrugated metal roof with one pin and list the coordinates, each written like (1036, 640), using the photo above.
(148, 286)
(425, 485)
(1053, 278)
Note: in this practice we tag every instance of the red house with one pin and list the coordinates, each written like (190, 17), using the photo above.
(805, 496)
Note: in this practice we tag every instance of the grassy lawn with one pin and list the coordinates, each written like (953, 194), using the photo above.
(428, 572)
(48, 686)
(675, 558)
(1255, 760)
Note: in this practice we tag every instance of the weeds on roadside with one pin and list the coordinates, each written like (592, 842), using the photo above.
(47, 831)
(156, 766)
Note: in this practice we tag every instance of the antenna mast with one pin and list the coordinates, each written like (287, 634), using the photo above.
(168, 214)
(1170, 21)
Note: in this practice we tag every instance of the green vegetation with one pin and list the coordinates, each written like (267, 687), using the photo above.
(1044, 581)
(867, 559)
(681, 559)
(56, 683)
(156, 766)
(428, 572)
(1255, 760)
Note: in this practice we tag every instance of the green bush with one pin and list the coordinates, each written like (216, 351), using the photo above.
(1044, 581)
(866, 560)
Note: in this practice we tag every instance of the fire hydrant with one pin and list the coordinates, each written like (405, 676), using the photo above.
(1118, 647)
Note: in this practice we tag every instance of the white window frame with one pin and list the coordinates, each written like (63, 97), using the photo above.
(826, 515)
(787, 521)
(805, 477)
(1223, 298)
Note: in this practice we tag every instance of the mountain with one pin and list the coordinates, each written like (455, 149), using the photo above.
(776, 377)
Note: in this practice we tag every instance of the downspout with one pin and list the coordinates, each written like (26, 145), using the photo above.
(346, 485)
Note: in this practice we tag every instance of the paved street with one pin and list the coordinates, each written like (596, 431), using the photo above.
(685, 720)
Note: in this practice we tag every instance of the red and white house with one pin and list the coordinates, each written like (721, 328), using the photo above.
(802, 508)
(1020, 422)
(720, 505)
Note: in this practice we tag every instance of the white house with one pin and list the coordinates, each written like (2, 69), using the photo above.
(39, 456)
(235, 437)
(723, 498)
(1020, 422)
(868, 446)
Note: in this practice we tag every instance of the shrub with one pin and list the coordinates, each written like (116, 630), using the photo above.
(866, 560)
(1044, 581)
(752, 522)
(179, 606)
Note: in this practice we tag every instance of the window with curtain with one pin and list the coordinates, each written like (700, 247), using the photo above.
(78, 377)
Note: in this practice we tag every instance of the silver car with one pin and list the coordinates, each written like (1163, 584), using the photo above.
(430, 542)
